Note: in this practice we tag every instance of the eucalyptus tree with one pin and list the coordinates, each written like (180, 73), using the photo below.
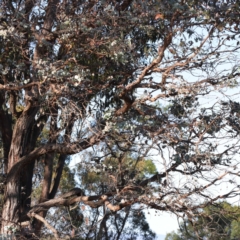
(219, 221)
(116, 77)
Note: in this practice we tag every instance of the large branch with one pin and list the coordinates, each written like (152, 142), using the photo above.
(155, 62)
(67, 148)
(72, 197)
(76, 196)
(188, 60)
(14, 87)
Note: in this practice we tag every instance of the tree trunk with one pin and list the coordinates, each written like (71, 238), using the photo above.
(17, 191)
(6, 130)
(46, 184)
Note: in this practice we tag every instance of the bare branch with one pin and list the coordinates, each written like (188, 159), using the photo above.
(45, 223)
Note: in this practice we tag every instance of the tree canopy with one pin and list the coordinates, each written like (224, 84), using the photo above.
(122, 84)
(220, 221)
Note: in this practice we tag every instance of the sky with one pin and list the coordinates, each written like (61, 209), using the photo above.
(161, 223)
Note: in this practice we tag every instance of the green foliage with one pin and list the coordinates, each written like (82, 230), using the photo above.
(140, 226)
(173, 236)
(131, 169)
(220, 221)
(67, 180)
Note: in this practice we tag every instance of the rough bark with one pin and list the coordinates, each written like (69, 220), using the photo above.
(6, 130)
(17, 191)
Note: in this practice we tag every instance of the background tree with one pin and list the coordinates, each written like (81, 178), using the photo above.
(117, 77)
(129, 223)
(85, 223)
(220, 221)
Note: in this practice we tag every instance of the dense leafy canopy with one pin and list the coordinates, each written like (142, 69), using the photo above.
(122, 84)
